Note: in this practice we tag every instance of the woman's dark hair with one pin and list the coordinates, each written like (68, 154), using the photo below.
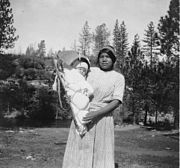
(110, 51)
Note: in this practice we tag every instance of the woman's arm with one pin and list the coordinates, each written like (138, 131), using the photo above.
(93, 115)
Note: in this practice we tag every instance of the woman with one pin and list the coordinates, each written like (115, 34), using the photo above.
(96, 148)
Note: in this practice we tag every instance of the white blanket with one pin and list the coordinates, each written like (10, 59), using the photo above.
(79, 91)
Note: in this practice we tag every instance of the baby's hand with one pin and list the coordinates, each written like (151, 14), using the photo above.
(85, 91)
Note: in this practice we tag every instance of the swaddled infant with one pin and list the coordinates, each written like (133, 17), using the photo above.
(79, 91)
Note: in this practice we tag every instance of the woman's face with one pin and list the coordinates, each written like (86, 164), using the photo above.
(105, 62)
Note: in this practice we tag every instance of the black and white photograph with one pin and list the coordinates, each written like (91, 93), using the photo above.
(89, 83)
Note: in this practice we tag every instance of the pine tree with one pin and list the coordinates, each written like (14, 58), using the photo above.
(101, 37)
(169, 31)
(135, 49)
(151, 45)
(169, 35)
(117, 42)
(42, 49)
(124, 40)
(31, 51)
(132, 71)
(122, 46)
(116, 33)
(85, 39)
(7, 30)
(151, 51)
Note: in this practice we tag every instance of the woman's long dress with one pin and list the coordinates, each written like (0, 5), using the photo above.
(96, 148)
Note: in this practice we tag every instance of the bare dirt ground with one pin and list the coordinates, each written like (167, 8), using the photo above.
(135, 147)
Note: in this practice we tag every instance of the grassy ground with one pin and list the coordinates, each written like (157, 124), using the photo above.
(44, 148)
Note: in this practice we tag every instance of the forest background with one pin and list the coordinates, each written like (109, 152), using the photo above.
(151, 71)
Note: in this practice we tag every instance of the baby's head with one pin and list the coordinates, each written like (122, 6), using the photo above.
(82, 64)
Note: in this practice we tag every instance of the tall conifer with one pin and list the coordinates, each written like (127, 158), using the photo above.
(151, 43)
(169, 32)
(85, 39)
(7, 30)
(117, 43)
(122, 46)
(101, 37)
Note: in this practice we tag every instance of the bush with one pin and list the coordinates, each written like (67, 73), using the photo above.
(31, 62)
(7, 66)
(27, 89)
(42, 105)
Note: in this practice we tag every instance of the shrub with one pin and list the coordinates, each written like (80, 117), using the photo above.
(42, 105)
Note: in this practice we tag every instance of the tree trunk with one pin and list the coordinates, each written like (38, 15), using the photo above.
(134, 116)
(145, 117)
(146, 112)
(156, 116)
(176, 120)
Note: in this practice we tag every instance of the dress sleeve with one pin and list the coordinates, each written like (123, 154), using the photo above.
(119, 88)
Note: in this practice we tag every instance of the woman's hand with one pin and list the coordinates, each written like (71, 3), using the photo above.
(93, 115)
(90, 117)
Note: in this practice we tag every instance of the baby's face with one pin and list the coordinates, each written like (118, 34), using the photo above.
(83, 71)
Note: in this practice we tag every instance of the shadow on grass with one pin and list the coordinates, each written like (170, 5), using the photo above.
(173, 135)
(27, 123)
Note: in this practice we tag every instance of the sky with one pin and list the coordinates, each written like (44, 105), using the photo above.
(59, 22)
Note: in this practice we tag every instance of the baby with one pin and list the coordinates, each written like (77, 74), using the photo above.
(78, 90)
